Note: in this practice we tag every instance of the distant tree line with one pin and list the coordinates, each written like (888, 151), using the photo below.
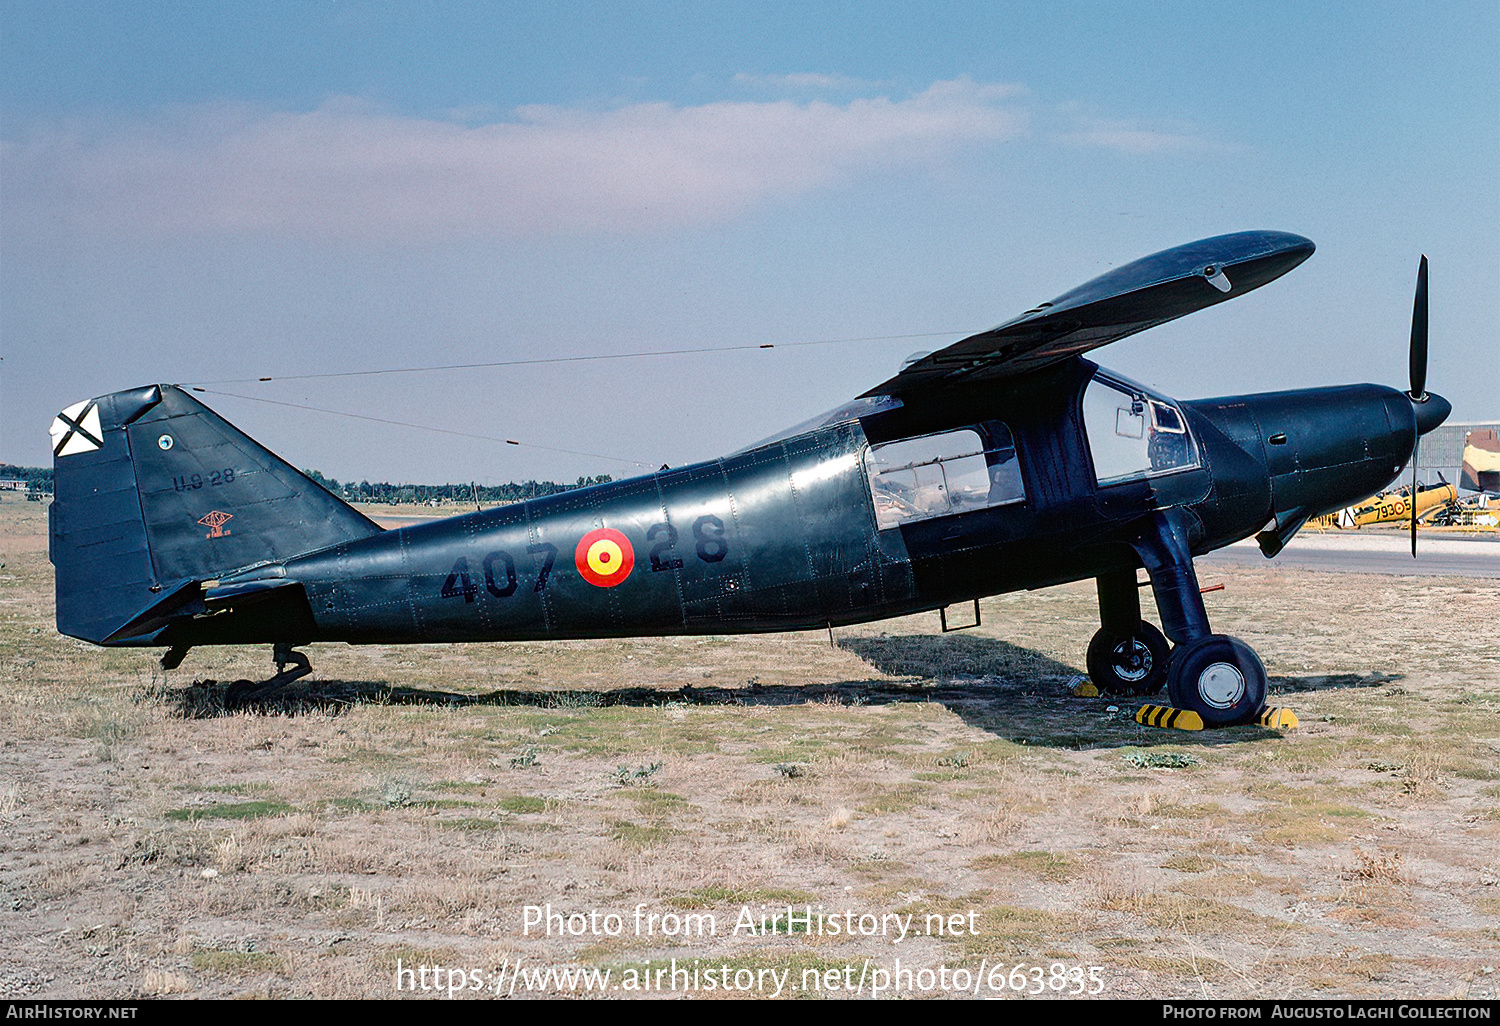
(39, 479)
(487, 495)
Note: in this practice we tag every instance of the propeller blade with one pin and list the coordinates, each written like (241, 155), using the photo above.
(1418, 357)
(1415, 445)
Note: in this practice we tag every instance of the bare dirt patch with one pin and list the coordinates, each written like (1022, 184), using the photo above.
(405, 807)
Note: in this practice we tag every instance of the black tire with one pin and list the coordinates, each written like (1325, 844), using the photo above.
(1218, 677)
(1126, 664)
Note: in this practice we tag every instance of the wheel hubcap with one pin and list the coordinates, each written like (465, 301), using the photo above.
(1132, 660)
(1221, 685)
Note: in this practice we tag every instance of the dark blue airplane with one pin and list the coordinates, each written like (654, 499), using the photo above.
(1004, 461)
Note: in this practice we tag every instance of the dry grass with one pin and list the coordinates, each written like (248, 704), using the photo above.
(1377, 867)
(302, 848)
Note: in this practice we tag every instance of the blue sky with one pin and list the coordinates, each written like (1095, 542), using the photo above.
(212, 192)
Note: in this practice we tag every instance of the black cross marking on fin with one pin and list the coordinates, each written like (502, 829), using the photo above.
(76, 427)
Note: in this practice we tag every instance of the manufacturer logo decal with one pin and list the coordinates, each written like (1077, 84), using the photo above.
(76, 430)
(216, 521)
(604, 557)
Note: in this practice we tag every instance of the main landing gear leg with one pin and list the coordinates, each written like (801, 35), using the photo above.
(1128, 656)
(242, 691)
(1218, 677)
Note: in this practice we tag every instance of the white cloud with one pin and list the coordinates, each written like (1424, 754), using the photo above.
(1086, 129)
(345, 170)
(805, 80)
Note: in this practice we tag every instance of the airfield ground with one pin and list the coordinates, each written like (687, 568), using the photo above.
(152, 844)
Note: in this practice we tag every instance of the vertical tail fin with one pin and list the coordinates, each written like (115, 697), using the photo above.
(154, 494)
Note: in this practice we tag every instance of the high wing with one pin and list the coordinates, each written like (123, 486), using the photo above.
(1140, 295)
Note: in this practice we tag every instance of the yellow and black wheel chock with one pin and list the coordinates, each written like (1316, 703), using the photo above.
(1185, 719)
(1277, 718)
(1166, 716)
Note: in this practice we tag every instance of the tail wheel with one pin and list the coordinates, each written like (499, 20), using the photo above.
(1218, 677)
(1128, 664)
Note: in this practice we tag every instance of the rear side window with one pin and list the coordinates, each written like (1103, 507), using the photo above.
(943, 475)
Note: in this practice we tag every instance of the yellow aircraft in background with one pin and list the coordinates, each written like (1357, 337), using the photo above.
(1437, 503)
(1392, 507)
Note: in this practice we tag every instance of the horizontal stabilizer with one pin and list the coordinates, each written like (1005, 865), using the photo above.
(182, 600)
(195, 598)
(243, 593)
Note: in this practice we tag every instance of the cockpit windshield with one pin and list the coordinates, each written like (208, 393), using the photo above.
(1134, 432)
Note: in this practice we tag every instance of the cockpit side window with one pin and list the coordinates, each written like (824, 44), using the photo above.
(1133, 433)
(943, 475)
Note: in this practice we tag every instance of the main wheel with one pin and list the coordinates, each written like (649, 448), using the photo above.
(1218, 677)
(1128, 664)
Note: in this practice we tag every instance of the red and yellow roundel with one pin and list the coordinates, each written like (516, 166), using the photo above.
(604, 557)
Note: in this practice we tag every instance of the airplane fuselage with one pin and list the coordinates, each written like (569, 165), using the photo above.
(786, 536)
